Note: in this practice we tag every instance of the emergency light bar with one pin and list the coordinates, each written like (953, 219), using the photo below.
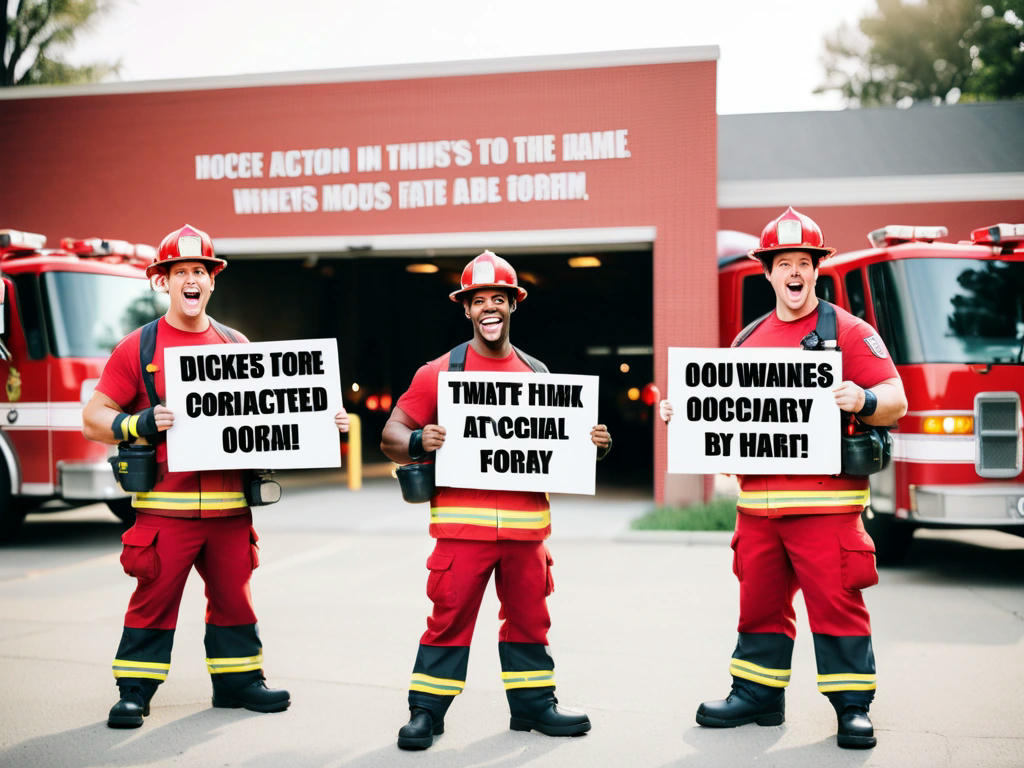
(97, 246)
(893, 234)
(999, 234)
(12, 239)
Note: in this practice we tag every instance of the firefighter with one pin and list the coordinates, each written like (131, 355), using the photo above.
(803, 531)
(188, 519)
(508, 539)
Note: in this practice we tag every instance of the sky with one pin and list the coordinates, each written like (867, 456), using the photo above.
(769, 50)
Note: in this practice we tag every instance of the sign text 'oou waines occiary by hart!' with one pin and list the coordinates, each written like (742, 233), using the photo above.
(265, 405)
(479, 158)
(756, 411)
(517, 431)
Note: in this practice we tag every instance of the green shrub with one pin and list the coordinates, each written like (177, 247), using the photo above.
(716, 515)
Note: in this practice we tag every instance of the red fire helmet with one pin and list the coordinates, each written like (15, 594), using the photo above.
(488, 270)
(792, 231)
(186, 244)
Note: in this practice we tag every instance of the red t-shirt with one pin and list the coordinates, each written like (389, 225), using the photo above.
(466, 513)
(122, 382)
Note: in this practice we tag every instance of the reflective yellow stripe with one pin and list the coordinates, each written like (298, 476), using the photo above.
(534, 520)
(190, 500)
(779, 499)
(132, 424)
(536, 678)
(124, 428)
(777, 678)
(491, 518)
(436, 685)
(148, 669)
(237, 664)
(849, 681)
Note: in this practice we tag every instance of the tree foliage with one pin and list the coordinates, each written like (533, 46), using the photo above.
(35, 34)
(928, 50)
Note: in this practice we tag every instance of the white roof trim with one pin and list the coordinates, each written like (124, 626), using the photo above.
(589, 60)
(607, 238)
(867, 190)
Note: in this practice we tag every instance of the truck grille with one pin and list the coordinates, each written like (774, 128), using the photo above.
(997, 422)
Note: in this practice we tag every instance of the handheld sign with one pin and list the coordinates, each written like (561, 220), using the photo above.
(517, 431)
(754, 411)
(268, 405)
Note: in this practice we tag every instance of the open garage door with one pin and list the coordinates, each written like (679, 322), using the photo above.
(586, 313)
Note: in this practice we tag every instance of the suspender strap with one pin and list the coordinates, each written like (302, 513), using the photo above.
(826, 327)
(457, 359)
(751, 327)
(147, 349)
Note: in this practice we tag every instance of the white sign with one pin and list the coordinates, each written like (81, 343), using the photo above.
(267, 405)
(517, 431)
(760, 411)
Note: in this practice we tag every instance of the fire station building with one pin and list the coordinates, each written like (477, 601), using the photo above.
(347, 201)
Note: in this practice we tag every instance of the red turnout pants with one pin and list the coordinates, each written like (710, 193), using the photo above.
(160, 552)
(459, 572)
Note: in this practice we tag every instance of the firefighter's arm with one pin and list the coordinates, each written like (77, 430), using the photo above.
(404, 441)
(880, 405)
(602, 438)
(105, 422)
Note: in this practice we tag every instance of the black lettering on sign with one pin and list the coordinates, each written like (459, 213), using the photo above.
(773, 445)
(784, 374)
(556, 395)
(221, 366)
(717, 443)
(301, 363)
(260, 438)
(485, 392)
(530, 462)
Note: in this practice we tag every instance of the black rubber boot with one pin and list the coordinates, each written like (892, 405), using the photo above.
(248, 691)
(855, 729)
(537, 709)
(747, 702)
(132, 707)
(420, 731)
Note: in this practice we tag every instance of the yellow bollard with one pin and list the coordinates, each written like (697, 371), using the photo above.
(355, 452)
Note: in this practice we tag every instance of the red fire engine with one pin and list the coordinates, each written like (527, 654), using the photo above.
(62, 311)
(952, 316)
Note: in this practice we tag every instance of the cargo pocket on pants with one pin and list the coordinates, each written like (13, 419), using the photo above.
(549, 580)
(737, 566)
(439, 583)
(254, 548)
(139, 557)
(857, 560)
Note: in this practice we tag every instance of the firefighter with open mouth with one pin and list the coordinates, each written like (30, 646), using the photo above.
(480, 531)
(805, 531)
(183, 519)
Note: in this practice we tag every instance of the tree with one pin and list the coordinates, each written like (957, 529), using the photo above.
(35, 35)
(928, 50)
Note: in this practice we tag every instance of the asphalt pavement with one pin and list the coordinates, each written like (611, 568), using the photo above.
(643, 626)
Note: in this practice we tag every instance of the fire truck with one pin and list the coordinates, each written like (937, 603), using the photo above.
(61, 313)
(952, 317)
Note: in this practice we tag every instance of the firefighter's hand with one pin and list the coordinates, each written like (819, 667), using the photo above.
(163, 417)
(849, 397)
(600, 436)
(433, 437)
(665, 410)
(341, 420)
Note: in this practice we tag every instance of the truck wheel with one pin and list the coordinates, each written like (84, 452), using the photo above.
(123, 509)
(12, 511)
(892, 538)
